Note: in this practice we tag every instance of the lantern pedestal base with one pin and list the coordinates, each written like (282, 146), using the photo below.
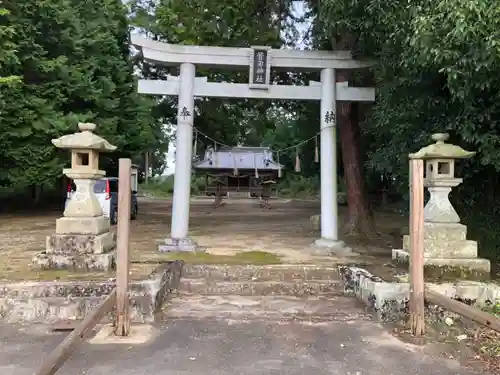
(75, 262)
(445, 269)
(85, 252)
(71, 244)
(448, 255)
(82, 225)
(179, 244)
(332, 247)
(445, 240)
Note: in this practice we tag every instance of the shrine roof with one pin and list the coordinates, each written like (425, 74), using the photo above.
(250, 149)
(259, 158)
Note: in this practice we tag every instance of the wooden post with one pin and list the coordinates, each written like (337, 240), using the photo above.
(417, 319)
(63, 351)
(122, 326)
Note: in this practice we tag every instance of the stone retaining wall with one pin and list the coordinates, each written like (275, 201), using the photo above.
(47, 302)
(389, 300)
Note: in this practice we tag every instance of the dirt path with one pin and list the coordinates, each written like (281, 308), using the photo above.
(235, 227)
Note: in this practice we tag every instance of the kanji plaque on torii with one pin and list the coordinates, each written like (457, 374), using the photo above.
(260, 68)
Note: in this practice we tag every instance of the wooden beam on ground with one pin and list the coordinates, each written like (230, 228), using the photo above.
(64, 350)
(417, 307)
(122, 326)
(478, 316)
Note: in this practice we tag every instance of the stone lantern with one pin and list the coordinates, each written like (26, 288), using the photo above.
(85, 148)
(447, 252)
(440, 177)
(83, 241)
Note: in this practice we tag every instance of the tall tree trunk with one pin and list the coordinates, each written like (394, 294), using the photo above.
(360, 219)
(36, 193)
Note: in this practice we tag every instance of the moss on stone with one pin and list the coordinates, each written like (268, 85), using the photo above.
(439, 273)
(139, 269)
(452, 273)
(26, 274)
(241, 258)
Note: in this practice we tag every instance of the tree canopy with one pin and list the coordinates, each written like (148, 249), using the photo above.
(64, 62)
(438, 69)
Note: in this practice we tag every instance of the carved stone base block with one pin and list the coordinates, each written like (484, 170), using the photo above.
(182, 244)
(75, 262)
(445, 249)
(439, 208)
(78, 252)
(71, 244)
(445, 240)
(82, 225)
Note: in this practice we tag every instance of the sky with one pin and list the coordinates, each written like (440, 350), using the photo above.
(298, 10)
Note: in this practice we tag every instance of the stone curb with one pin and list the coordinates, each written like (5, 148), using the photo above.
(388, 301)
(47, 302)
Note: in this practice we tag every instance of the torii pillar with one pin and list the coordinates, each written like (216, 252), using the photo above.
(179, 239)
(328, 164)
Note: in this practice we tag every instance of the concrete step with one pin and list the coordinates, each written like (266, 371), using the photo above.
(269, 308)
(46, 309)
(52, 309)
(263, 288)
(287, 272)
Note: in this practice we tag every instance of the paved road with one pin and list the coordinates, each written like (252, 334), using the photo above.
(207, 346)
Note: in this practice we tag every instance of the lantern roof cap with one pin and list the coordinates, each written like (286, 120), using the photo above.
(85, 139)
(442, 150)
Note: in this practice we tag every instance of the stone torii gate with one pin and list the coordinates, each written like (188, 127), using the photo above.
(259, 60)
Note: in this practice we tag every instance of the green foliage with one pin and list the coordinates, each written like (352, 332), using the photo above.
(66, 61)
(291, 128)
(164, 186)
(438, 64)
(292, 186)
(298, 186)
(158, 187)
(489, 345)
(494, 309)
(438, 70)
(7, 48)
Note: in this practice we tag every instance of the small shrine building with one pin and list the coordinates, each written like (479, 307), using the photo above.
(237, 169)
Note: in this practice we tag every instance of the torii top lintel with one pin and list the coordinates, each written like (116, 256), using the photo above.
(175, 54)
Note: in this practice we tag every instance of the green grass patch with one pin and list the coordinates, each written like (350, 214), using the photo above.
(164, 186)
(490, 345)
(242, 258)
(493, 309)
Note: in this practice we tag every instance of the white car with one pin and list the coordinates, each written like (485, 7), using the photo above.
(106, 191)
